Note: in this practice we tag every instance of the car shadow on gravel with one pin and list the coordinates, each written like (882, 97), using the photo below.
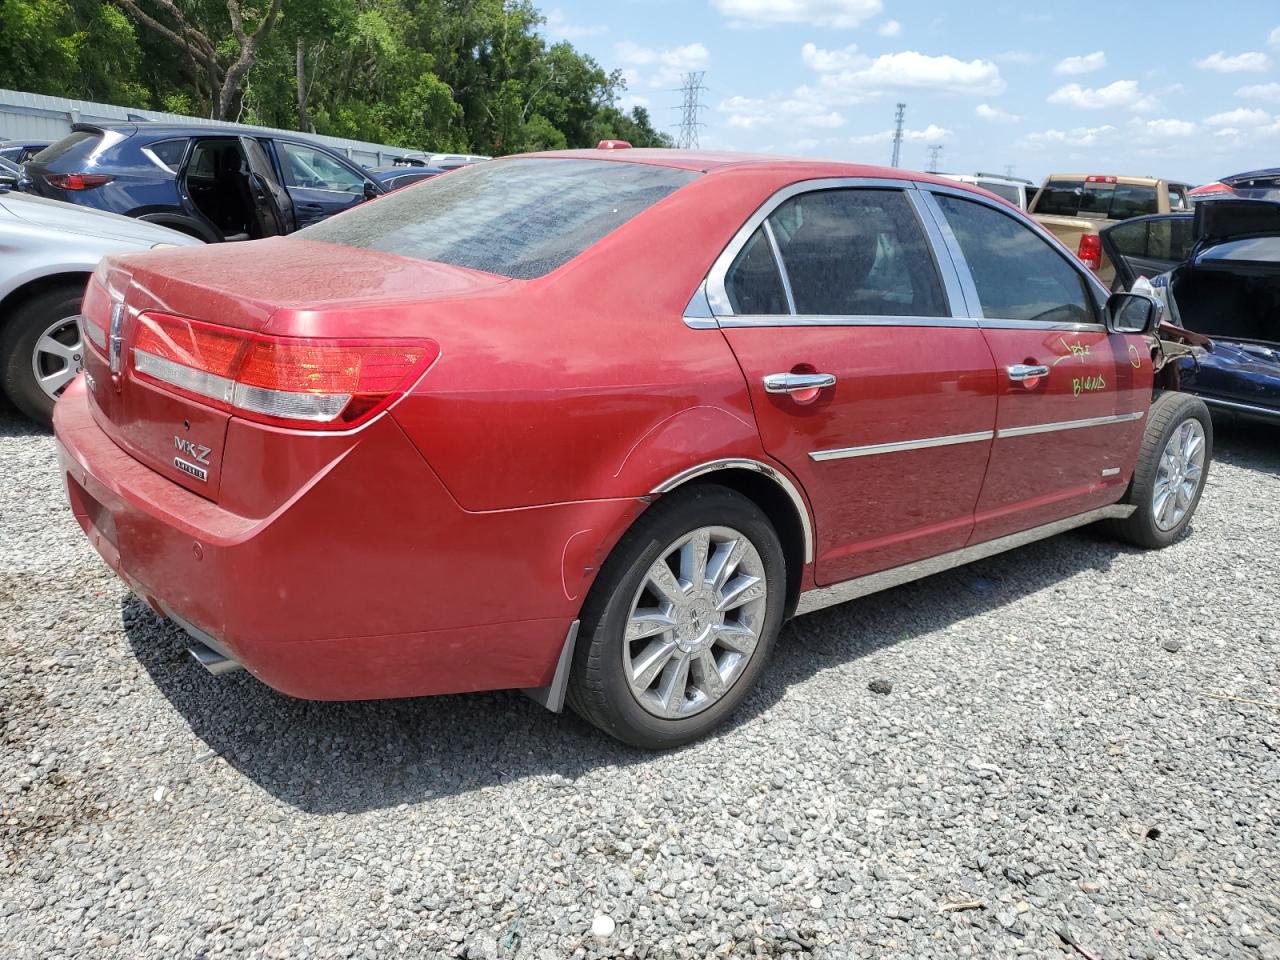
(14, 424)
(354, 757)
(1251, 444)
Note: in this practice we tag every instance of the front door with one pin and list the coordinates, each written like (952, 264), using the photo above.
(1071, 396)
(1148, 246)
(864, 385)
(318, 184)
(273, 206)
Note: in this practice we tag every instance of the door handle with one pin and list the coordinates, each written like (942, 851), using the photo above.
(1027, 371)
(798, 382)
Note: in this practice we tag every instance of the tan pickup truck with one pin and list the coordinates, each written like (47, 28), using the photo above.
(1074, 207)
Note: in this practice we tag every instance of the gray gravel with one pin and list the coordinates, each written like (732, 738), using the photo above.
(1050, 760)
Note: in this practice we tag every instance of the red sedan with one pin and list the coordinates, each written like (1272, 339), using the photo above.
(595, 423)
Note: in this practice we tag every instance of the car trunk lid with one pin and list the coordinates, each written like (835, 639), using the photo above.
(184, 340)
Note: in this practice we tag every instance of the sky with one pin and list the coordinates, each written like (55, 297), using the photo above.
(1190, 92)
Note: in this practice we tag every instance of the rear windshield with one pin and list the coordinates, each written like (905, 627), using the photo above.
(1099, 201)
(517, 218)
(64, 146)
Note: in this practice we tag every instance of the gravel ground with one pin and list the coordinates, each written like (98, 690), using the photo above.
(1053, 764)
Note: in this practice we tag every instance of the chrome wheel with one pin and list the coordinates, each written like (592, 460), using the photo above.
(1178, 474)
(58, 356)
(695, 622)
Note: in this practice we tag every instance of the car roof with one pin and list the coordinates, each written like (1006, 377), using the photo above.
(708, 161)
(162, 129)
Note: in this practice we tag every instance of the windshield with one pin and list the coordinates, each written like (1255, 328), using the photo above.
(517, 218)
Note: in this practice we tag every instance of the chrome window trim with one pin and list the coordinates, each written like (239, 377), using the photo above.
(932, 190)
(822, 320)
(716, 294)
(902, 446)
(151, 155)
(782, 267)
(822, 597)
(934, 226)
(1027, 431)
(697, 314)
(986, 324)
(743, 463)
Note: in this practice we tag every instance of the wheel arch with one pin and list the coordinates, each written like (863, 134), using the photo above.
(773, 492)
(38, 285)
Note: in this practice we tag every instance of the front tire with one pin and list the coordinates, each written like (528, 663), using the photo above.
(1173, 465)
(40, 350)
(680, 623)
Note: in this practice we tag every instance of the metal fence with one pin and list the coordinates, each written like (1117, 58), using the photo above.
(33, 116)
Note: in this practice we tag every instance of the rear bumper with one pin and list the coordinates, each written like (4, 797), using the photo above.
(370, 582)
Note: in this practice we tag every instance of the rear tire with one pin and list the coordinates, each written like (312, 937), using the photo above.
(1173, 465)
(699, 584)
(40, 335)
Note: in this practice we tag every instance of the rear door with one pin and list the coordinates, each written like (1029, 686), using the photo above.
(1148, 246)
(318, 184)
(865, 385)
(273, 205)
(1071, 396)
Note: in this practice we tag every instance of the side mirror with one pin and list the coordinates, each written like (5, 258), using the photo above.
(371, 190)
(1132, 313)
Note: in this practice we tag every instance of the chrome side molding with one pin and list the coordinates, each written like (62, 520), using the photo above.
(901, 446)
(1068, 425)
(873, 583)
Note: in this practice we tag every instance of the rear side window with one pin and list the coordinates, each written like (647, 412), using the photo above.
(1018, 275)
(1005, 190)
(516, 218)
(79, 141)
(169, 152)
(753, 283)
(857, 253)
(1166, 239)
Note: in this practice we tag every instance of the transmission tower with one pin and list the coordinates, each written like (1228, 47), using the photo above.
(898, 119)
(692, 89)
(1008, 171)
(935, 151)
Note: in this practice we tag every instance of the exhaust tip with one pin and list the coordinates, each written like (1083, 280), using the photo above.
(213, 661)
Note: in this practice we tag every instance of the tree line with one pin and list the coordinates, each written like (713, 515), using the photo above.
(473, 76)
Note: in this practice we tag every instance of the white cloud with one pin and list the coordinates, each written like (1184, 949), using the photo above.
(1240, 117)
(1163, 129)
(847, 77)
(827, 61)
(629, 102)
(1079, 137)
(1073, 66)
(1122, 93)
(995, 114)
(1020, 57)
(1261, 91)
(747, 113)
(837, 14)
(892, 28)
(659, 67)
(930, 134)
(1240, 63)
(805, 145)
(1274, 39)
(558, 27)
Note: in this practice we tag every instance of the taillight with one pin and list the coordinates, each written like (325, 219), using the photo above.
(76, 181)
(289, 381)
(1090, 251)
(1210, 190)
(1096, 178)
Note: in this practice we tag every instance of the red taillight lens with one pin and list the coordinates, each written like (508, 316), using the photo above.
(291, 381)
(1090, 251)
(76, 181)
(1210, 190)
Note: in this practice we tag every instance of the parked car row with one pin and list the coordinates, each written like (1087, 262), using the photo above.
(301, 450)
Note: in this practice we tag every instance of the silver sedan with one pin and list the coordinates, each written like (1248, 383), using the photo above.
(48, 250)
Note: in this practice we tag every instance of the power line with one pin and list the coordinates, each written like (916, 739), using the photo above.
(935, 151)
(692, 90)
(899, 117)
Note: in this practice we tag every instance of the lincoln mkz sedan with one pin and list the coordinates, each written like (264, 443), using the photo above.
(595, 423)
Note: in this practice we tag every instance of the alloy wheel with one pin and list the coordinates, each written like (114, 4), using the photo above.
(1178, 474)
(58, 356)
(695, 622)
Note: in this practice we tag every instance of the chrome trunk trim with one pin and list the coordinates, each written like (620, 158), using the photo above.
(873, 583)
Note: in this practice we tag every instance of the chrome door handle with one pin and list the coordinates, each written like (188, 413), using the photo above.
(1026, 371)
(797, 382)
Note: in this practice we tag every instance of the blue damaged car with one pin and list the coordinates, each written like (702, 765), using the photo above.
(1218, 270)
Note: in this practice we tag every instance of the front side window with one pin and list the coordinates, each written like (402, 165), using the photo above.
(1018, 275)
(516, 218)
(857, 252)
(308, 167)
